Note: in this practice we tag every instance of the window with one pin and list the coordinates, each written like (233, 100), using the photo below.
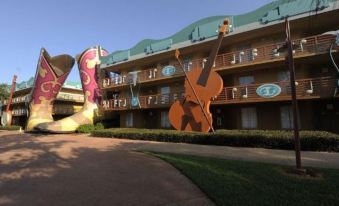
(115, 77)
(245, 80)
(284, 80)
(249, 118)
(113, 74)
(286, 117)
(187, 64)
(244, 53)
(165, 91)
(284, 76)
(164, 120)
(129, 120)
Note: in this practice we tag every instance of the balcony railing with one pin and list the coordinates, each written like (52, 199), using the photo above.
(150, 101)
(306, 89)
(65, 110)
(65, 97)
(60, 110)
(323, 87)
(19, 112)
(306, 46)
(17, 100)
(70, 97)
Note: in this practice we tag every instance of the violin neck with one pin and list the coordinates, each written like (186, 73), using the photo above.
(210, 62)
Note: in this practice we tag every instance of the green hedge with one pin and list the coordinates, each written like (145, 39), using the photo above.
(310, 140)
(13, 127)
(88, 128)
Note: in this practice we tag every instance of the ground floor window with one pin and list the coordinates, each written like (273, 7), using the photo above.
(164, 120)
(249, 118)
(286, 117)
(129, 120)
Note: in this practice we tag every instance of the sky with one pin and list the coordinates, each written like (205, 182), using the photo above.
(71, 26)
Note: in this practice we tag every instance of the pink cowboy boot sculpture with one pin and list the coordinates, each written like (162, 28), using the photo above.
(50, 76)
(87, 63)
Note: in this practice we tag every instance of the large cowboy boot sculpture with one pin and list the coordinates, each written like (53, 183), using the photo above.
(50, 76)
(87, 63)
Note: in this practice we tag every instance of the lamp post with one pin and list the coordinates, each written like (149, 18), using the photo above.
(290, 61)
(289, 47)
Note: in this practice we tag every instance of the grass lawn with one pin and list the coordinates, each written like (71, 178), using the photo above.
(229, 182)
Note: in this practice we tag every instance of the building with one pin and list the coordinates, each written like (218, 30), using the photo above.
(69, 101)
(140, 84)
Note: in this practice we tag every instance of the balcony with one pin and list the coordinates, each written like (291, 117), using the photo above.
(306, 47)
(65, 109)
(61, 97)
(17, 100)
(57, 110)
(70, 97)
(314, 88)
(19, 112)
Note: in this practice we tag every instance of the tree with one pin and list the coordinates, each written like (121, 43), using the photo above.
(4, 91)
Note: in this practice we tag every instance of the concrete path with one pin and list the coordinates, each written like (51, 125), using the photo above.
(79, 170)
(282, 157)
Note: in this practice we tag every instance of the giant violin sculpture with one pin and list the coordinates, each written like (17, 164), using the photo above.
(201, 85)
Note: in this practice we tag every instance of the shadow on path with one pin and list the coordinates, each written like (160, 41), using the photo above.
(78, 170)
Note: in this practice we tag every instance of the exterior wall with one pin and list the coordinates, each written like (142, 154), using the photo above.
(327, 115)
(270, 74)
(318, 109)
(314, 115)
(150, 119)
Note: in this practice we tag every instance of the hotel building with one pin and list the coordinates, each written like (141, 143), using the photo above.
(140, 84)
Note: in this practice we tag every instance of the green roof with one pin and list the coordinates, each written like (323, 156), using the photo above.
(29, 83)
(207, 27)
(72, 85)
(24, 84)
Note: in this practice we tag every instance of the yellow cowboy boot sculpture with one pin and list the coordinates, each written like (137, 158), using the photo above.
(50, 76)
(87, 62)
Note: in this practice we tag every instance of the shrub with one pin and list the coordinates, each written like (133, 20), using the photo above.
(87, 128)
(310, 140)
(13, 127)
(99, 126)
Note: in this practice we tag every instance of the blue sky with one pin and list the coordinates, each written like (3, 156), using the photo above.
(65, 26)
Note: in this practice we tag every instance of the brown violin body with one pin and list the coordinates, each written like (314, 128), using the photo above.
(201, 85)
(186, 114)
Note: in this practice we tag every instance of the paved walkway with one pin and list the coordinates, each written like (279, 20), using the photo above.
(79, 170)
(283, 157)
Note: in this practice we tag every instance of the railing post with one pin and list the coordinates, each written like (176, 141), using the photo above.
(223, 61)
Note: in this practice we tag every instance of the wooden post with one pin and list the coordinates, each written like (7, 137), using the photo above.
(290, 61)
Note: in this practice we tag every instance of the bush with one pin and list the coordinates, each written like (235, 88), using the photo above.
(13, 127)
(88, 128)
(310, 140)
